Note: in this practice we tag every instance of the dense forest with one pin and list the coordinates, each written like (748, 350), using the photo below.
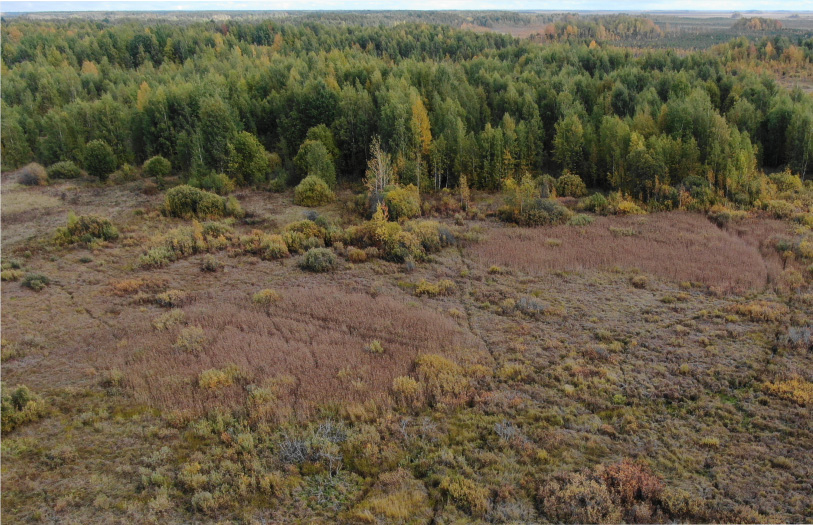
(446, 103)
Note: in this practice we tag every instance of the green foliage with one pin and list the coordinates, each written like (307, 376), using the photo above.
(403, 202)
(35, 281)
(319, 260)
(313, 191)
(314, 160)
(157, 166)
(20, 406)
(248, 160)
(219, 183)
(99, 159)
(570, 185)
(65, 169)
(188, 202)
(86, 229)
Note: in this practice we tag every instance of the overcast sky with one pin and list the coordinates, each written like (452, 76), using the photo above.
(566, 5)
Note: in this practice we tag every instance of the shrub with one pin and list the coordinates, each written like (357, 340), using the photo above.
(780, 209)
(314, 160)
(266, 297)
(188, 202)
(277, 184)
(268, 246)
(234, 209)
(65, 169)
(786, 181)
(580, 220)
(319, 260)
(172, 298)
(356, 255)
(577, 498)
(126, 173)
(403, 202)
(597, 203)
(217, 378)
(157, 166)
(15, 275)
(86, 229)
(431, 234)
(570, 185)
(466, 494)
(210, 264)
(443, 380)
(797, 390)
(35, 281)
(191, 340)
(214, 182)
(312, 191)
(442, 287)
(32, 175)
(408, 393)
(19, 407)
(99, 159)
(169, 319)
(149, 188)
(375, 347)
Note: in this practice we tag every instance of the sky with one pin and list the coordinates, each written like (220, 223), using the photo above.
(554, 5)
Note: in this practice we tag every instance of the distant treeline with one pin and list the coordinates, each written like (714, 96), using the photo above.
(445, 102)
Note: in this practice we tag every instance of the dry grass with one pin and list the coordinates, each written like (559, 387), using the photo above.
(316, 335)
(679, 246)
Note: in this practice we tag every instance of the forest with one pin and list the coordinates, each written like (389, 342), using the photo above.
(406, 267)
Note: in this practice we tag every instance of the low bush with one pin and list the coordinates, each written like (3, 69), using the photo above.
(786, 181)
(191, 340)
(356, 255)
(32, 175)
(157, 166)
(432, 235)
(267, 246)
(65, 169)
(403, 202)
(797, 390)
(16, 275)
(537, 212)
(188, 202)
(35, 281)
(86, 229)
(214, 182)
(466, 494)
(428, 289)
(570, 185)
(210, 264)
(266, 296)
(319, 260)
(313, 191)
(19, 407)
(581, 219)
(185, 241)
(216, 378)
(443, 380)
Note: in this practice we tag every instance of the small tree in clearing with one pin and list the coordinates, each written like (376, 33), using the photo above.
(380, 173)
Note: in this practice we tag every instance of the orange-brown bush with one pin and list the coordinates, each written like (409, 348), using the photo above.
(676, 245)
(315, 334)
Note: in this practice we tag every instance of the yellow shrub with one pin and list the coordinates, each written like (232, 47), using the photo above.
(266, 297)
(443, 380)
(407, 392)
(442, 287)
(466, 494)
(216, 378)
(191, 339)
(797, 390)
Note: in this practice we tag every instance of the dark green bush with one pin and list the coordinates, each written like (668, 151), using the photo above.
(188, 202)
(65, 169)
(319, 260)
(157, 166)
(21, 406)
(570, 185)
(312, 191)
(100, 161)
(35, 281)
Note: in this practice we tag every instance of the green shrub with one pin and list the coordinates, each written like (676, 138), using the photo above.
(312, 191)
(780, 209)
(786, 181)
(157, 166)
(187, 202)
(65, 169)
(35, 281)
(86, 229)
(597, 203)
(319, 260)
(191, 340)
(268, 246)
(99, 159)
(314, 159)
(570, 185)
(403, 202)
(432, 235)
(19, 407)
(537, 212)
(32, 175)
(219, 183)
(15, 275)
(580, 220)
(466, 494)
